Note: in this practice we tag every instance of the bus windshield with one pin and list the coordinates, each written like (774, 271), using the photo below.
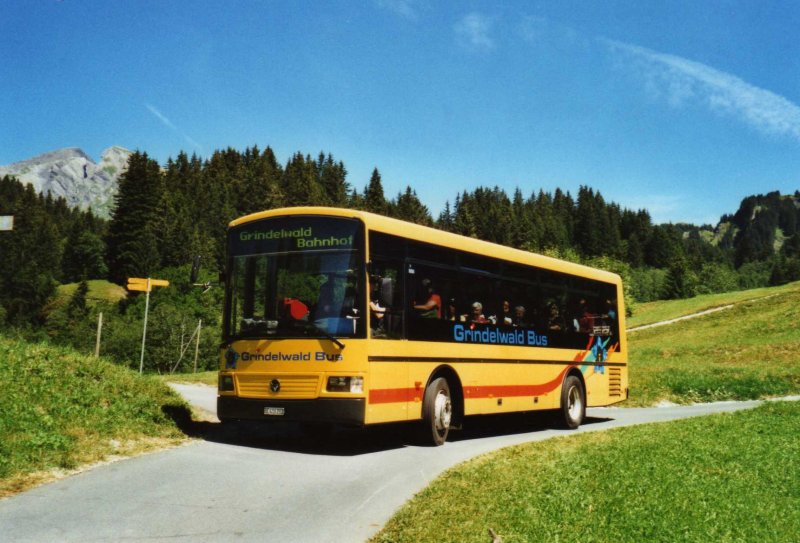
(298, 277)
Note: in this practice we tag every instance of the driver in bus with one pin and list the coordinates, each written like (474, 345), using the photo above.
(432, 308)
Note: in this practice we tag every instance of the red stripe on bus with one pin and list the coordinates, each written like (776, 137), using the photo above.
(509, 391)
(396, 395)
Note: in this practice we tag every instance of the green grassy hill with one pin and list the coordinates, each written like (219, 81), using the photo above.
(730, 477)
(60, 410)
(662, 310)
(99, 290)
(749, 351)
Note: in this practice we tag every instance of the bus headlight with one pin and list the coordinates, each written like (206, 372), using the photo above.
(226, 383)
(353, 385)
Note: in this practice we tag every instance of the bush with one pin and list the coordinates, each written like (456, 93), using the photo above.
(173, 316)
(647, 284)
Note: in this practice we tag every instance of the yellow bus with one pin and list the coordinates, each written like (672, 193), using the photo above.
(342, 316)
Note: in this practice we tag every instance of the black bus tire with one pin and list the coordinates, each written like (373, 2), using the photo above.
(437, 411)
(573, 403)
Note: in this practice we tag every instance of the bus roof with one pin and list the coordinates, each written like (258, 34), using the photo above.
(434, 236)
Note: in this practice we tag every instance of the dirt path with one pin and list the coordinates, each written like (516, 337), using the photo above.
(683, 318)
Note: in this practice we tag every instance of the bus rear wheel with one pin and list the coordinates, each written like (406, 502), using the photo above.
(573, 403)
(437, 411)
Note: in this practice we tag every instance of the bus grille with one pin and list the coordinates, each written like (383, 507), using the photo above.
(292, 386)
(614, 381)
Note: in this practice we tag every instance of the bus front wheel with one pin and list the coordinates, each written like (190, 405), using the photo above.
(437, 411)
(573, 403)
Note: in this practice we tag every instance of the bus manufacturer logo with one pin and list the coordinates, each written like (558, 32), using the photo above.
(231, 358)
(275, 386)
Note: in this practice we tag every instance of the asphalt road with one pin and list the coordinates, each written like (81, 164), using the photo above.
(273, 484)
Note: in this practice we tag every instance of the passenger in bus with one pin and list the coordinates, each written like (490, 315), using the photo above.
(611, 309)
(432, 308)
(506, 317)
(377, 311)
(585, 318)
(452, 312)
(477, 316)
(555, 322)
(519, 320)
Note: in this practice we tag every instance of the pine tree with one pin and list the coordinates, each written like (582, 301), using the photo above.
(523, 233)
(31, 254)
(258, 186)
(374, 199)
(333, 180)
(445, 220)
(408, 207)
(84, 255)
(463, 219)
(680, 282)
(300, 183)
(133, 236)
(76, 308)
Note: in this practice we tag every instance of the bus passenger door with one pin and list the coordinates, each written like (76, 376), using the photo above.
(389, 391)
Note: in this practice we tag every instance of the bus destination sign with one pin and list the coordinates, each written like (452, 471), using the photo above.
(294, 234)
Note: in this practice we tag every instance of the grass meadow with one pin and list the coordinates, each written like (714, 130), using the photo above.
(722, 478)
(662, 310)
(60, 410)
(99, 290)
(749, 351)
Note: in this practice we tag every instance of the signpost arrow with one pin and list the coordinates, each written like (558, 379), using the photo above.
(140, 284)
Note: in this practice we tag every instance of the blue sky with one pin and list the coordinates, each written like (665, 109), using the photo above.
(682, 108)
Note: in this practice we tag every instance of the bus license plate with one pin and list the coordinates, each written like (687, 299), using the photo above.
(274, 411)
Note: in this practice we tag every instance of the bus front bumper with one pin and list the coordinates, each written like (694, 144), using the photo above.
(348, 411)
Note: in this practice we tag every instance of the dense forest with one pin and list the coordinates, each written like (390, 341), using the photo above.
(166, 216)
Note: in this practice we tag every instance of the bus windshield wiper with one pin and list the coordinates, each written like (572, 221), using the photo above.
(325, 333)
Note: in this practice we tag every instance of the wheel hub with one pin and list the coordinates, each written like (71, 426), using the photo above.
(575, 403)
(443, 411)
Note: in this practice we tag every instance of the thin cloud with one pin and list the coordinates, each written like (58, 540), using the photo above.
(534, 29)
(161, 117)
(474, 30)
(682, 80)
(169, 124)
(404, 8)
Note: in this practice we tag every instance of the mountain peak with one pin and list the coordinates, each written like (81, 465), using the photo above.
(72, 174)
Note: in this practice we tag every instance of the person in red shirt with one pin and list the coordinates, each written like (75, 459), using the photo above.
(432, 308)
